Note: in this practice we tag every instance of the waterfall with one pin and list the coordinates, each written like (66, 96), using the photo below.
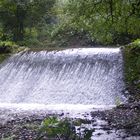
(86, 76)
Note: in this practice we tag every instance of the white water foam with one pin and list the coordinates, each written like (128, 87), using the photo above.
(73, 79)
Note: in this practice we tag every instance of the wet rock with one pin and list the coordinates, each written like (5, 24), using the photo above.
(125, 116)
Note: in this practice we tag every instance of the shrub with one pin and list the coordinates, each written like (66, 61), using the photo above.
(7, 46)
(10, 47)
(64, 129)
(132, 63)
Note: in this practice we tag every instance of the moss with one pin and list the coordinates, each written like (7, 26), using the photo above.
(132, 67)
(7, 48)
(10, 47)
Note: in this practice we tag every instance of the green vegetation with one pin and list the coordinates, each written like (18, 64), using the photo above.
(132, 58)
(7, 46)
(25, 22)
(104, 22)
(10, 47)
(70, 22)
(132, 67)
(63, 129)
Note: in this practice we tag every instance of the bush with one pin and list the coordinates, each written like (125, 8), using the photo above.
(132, 64)
(7, 46)
(10, 47)
(64, 129)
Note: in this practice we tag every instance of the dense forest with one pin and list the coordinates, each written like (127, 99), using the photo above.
(69, 22)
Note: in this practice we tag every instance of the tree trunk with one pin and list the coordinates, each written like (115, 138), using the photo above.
(19, 29)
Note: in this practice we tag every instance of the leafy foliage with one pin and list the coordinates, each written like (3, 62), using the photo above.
(17, 16)
(106, 22)
(63, 129)
(10, 47)
(58, 22)
(132, 63)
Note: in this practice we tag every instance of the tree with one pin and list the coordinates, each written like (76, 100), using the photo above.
(16, 15)
(105, 21)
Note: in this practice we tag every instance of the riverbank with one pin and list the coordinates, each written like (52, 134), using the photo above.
(124, 117)
(120, 123)
(21, 127)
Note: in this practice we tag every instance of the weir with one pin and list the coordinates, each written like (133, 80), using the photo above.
(86, 76)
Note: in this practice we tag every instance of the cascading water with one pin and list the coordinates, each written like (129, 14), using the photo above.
(91, 76)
